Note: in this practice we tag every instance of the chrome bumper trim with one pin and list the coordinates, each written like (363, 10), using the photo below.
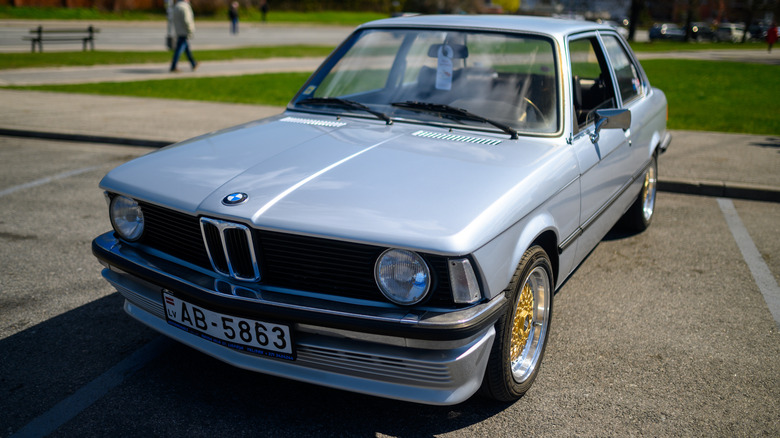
(664, 145)
(433, 376)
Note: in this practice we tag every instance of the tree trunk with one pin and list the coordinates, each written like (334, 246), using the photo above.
(636, 9)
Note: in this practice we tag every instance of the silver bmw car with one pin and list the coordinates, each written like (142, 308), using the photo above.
(402, 227)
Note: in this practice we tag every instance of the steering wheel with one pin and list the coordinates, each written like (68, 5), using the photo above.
(539, 113)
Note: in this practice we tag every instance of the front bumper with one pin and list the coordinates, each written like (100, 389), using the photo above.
(421, 356)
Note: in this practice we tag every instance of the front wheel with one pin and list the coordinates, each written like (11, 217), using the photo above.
(523, 329)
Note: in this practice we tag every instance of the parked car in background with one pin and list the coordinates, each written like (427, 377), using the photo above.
(701, 31)
(666, 31)
(758, 31)
(729, 32)
(402, 228)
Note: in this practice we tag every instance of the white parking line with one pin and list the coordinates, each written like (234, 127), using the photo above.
(761, 273)
(48, 179)
(68, 408)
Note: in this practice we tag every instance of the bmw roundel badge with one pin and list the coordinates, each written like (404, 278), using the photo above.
(235, 198)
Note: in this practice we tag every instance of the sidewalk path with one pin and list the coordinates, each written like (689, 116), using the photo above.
(733, 55)
(125, 120)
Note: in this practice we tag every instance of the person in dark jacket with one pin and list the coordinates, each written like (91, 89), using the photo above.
(233, 14)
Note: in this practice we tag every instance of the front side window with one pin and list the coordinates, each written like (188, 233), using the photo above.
(507, 78)
(591, 82)
(626, 72)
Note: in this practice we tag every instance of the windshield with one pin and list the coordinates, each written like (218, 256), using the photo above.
(504, 79)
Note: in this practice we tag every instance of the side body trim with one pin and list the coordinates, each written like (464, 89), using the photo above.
(585, 225)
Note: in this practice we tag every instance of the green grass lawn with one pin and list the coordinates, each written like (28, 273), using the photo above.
(60, 59)
(702, 95)
(718, 96)
(264, 89)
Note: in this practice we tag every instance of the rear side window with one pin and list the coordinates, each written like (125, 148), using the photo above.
(627, 75)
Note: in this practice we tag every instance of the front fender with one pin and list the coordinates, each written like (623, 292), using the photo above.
(498, 259)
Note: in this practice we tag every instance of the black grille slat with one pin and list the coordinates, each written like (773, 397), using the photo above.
(174, 233)
(214, 241)
(285, 260)
(239, 253)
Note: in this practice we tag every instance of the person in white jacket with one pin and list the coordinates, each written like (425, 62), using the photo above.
(184, 27)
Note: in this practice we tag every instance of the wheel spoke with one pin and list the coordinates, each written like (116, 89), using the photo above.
(523, 321)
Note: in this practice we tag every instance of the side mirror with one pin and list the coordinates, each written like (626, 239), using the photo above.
(610, 119)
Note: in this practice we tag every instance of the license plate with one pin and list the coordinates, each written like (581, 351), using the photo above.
(243, 334)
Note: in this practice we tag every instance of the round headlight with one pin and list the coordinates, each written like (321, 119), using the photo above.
(127, 218)
(402, 276)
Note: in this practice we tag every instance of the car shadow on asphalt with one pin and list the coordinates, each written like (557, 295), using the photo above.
(618, 232)
(216, 399)
(47, 363)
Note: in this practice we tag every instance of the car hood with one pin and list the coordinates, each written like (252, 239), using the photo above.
(360, 180)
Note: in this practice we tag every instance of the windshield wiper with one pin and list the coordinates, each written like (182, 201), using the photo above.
(345, 103)
(451, 111)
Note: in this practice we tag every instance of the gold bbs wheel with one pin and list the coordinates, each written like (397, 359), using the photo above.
(530, 321)
(521, 334)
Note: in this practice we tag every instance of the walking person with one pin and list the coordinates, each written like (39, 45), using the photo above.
(263, 9)
(233, 14)
(771, 36)
(184, 27)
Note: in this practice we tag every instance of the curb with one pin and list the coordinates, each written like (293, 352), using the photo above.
(84, 138)
(720, 189)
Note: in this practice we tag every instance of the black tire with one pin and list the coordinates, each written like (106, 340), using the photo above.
(640, 214)
(522, 332)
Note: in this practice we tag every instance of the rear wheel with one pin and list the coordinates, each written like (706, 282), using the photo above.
(522, 330)
(640, 214)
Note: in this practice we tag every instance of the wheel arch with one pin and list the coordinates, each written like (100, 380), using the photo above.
(498, 259)
(548, 241)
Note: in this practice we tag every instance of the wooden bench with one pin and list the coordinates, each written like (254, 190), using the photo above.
(61, 36)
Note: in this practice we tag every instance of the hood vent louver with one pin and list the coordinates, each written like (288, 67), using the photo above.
(453, 137)
(314, 122)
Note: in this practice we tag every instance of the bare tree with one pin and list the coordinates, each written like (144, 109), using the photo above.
(750, 12)
(689, 10)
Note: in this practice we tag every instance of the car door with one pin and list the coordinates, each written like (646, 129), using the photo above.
(632, 88)
(604, 160)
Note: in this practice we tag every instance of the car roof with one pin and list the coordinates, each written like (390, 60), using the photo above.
(555, 27)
